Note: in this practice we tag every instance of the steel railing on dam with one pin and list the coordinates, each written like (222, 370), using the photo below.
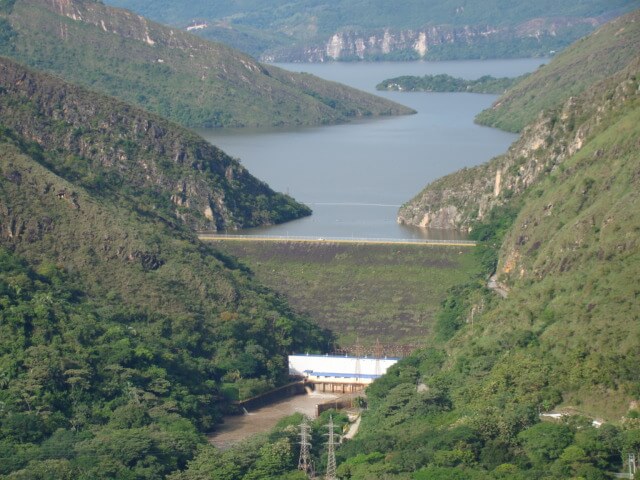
(315, 239)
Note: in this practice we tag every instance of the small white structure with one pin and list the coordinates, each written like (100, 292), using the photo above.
(333, 369)
(197, 26)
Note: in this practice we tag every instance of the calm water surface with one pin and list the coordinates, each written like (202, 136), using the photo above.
(356, 176)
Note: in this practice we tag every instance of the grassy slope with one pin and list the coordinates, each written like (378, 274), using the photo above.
(390, 293)
(146, 64)
(579, 263)
(568, 335)
(601, 54)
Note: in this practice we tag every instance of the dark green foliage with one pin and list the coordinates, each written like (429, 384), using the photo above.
(6, 6)
(447, 83)
(118, 329)
(6, 35)
(453, 312)
(545, 442)
(490, 233)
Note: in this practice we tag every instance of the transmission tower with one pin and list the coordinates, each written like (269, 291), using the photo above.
(331, 451)
(304, 463)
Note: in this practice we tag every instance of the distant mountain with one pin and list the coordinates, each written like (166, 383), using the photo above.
(148, 163)
(314, 31)
(170, 72)
(601, 54)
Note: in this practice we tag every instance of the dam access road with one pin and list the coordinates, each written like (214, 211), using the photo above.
(347, 240)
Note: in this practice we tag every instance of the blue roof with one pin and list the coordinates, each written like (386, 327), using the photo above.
(343, 375)
(362, 357)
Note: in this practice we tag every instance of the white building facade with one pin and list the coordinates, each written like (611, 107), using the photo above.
(339, 369)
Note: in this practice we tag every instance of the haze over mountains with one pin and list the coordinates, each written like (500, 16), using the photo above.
(314, 31)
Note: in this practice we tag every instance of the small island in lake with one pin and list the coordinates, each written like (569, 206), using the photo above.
(447, 83)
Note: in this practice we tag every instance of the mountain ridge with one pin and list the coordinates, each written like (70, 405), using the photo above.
(106, 144)
(313, 31)
(595, 57)
(462, 198)
(125, 55)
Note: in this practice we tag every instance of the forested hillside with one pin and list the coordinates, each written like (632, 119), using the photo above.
(566, 337)
(313, 30)
(122, 338)
(558, 331)
(145, 162)
(170, 72)
(586, 62)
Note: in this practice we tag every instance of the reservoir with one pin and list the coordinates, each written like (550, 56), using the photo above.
(355, 176)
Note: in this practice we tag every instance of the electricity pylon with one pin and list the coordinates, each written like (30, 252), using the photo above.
(304, 463)
(331, 451)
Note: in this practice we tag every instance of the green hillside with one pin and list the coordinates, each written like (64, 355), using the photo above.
(601, 54)
(566, 337)
(560, 333)
(170, 72)
(122, 338)
(462, 198)
(146, 162)
(301, 31)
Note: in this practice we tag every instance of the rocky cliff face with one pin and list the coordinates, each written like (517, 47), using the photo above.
(585, 212)
(107, 145)
(460, 199)
(416, 43)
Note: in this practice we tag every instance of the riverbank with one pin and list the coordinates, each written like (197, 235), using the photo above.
(239, 427)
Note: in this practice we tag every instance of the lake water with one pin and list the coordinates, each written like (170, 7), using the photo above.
(356, 176)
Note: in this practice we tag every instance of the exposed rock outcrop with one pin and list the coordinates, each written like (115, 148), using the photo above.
(359, 44)
(462, 198)
(108, 145)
